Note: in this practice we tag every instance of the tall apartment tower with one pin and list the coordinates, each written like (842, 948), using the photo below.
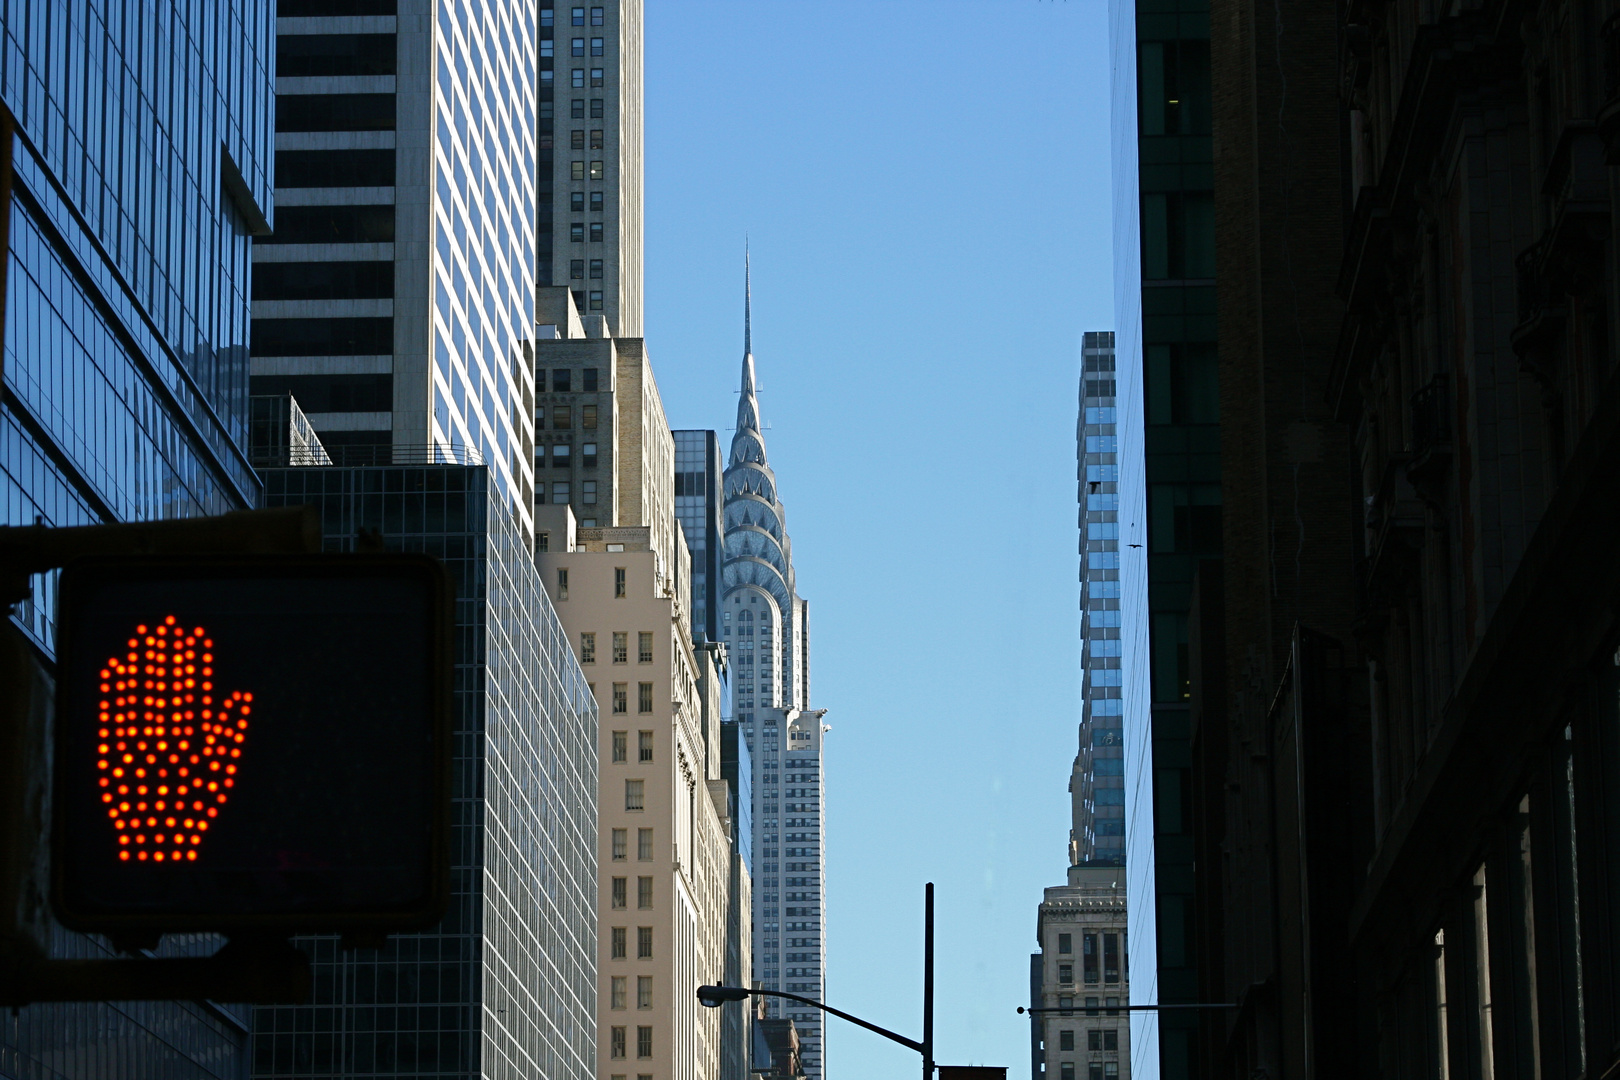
(141, 162)
(621, 582)
(1097, 785)
(699, 476)
(764, 621)
(589, 235)
(395, 300)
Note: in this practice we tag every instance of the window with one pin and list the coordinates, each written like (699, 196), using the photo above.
(1110, 1039)
(587, 452)
(1065, 973)
(559, 496)
(576, 203)
(542, 542)
(643, 943)
(598, 172)
(596, 108)
(1094, 1039)
(576, 269)
(621, 697)
(644, 844)
(644, 1042)
(644, 647)
(579, 298)
(621, 746)
(643, 892)
(587, 492)
(616, 1043)
(587, 417)
(620, 892)
(643, 991)
(596, 301)
(596, 268)
(547, 49)
(578, 47)
(1089, 956)
(618, 583)
(578, 80)
(576, 139)
(644, 745)
(1065, 943)
(560, 455)
(1066, 1071)
(634, 798)
(597, 18)
(1065, 1040)
(1111, 958)
(596, 202)
(579, 16)
(621, 647)
(587, 648)
(548, 17)
(618, 991)
(597, 45)
(620, 842)
(562, 417)
(1094, 1071)
(576, 232)
(596, 232)
(562, 572)
(596, 77)
(618, 939)
(644, 697)
(1110, 1070)
(576, 109)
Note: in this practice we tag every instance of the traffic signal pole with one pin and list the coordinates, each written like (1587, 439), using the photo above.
(255, 969)
(928, 983)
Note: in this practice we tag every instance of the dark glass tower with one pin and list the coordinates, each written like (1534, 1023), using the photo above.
(141, 160)
(699, 473)
(506, 984)
(1170, 468)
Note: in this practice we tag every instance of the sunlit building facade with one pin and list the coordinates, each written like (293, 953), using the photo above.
(141, 167)
(395, 300)
(764, 623)
(1097, 785)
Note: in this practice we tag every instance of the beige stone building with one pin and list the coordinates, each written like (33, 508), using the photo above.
(1081, 972)
(621, 587)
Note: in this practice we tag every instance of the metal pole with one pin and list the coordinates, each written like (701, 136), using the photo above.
(928, 983)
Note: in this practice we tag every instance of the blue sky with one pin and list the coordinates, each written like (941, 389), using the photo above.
(925, 185)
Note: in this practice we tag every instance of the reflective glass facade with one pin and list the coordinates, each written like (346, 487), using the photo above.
(141, 162)
(698, 481)
(125, 364)
(1098, 783)
(1164, 269)
(505, 986)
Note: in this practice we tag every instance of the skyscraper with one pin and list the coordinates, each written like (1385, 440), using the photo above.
(699, 475)
(505, 985)
(395, 300)
(1170, 459)
(1097, 786)
(764, 622)
(590, 168)
(141, 160)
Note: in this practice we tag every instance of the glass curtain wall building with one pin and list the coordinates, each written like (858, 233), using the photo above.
(1164, 248)
(506, 985)
(395, 300)
(699, 470)
(1097, 786)
(141, 167)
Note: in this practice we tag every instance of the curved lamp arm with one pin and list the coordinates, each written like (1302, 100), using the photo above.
(712, 996)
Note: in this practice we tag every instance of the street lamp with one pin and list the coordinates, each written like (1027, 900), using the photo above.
(713, 997)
